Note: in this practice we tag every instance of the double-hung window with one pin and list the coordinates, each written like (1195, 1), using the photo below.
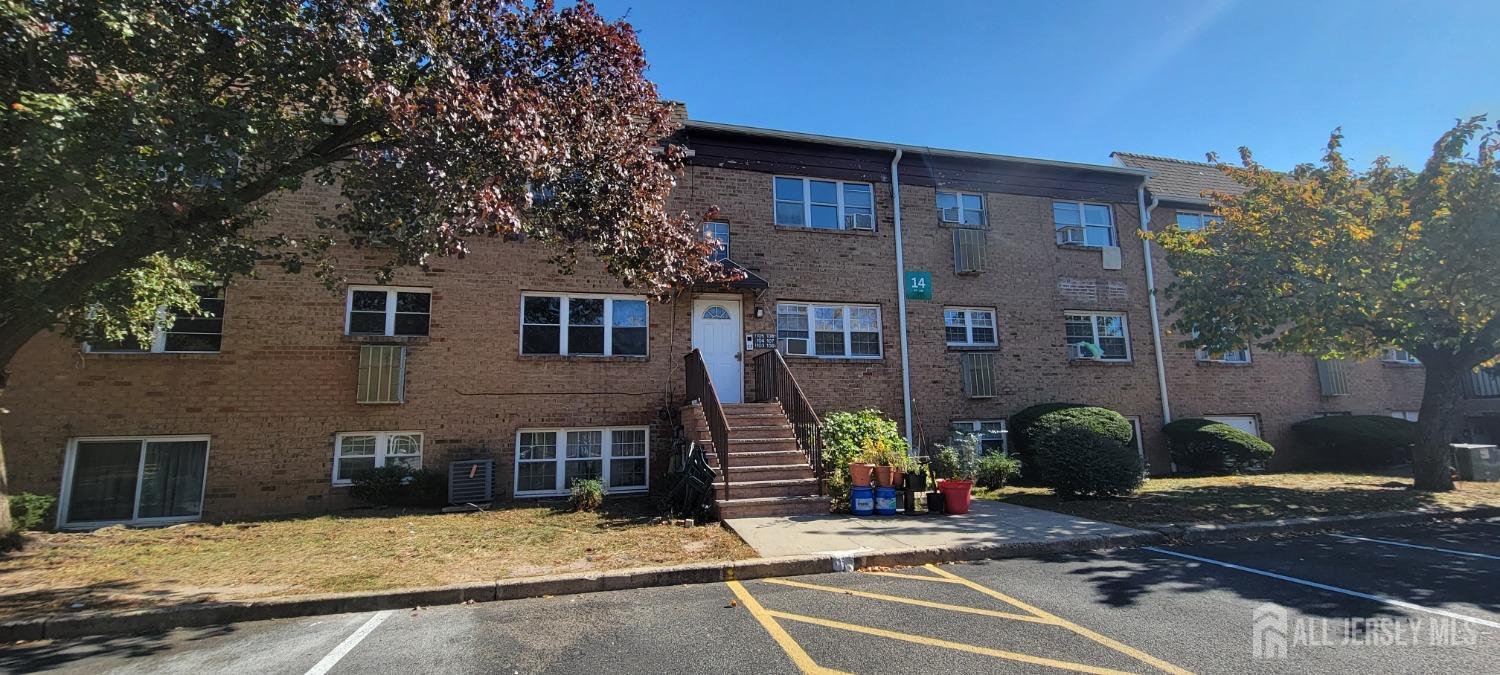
(1100, 336)
(388, 311)
(1398, 355)
(991, 433)
(586, 325)
(133, 480)
(829, 331)
(824, 204)
(969, 326)
(184, 334)
(356, 451)
(718, 235)
(961, 208)
(1193, 221)
(548, 461)
(1083, 224)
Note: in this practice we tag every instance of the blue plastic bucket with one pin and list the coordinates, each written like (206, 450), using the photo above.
(862, 501)
(885, 501)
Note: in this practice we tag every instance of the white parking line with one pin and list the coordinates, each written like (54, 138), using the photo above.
(1390, 542)
(1377, 598)
(349, 643)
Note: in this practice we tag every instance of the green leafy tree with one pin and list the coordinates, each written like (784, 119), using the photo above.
(1336, 262)
(142, 140)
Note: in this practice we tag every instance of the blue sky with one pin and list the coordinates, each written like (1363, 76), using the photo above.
(1074, 80)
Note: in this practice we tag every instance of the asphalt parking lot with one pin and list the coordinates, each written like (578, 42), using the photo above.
(1417, 598)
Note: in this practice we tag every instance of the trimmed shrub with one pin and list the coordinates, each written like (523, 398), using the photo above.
(1018, 426)
(845, 435)
(1098, 420)
(996, 469)
(28, 511)
(588, 494)
(1213, 447)
(399, 485)
(1358, 441)
(944, 462)
(1077, 461)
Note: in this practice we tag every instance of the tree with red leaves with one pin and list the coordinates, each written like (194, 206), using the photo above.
(142, 138)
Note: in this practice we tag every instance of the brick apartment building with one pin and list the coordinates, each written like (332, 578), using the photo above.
(1031, 286)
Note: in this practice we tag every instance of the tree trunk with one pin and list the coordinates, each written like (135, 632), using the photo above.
(1436, 424)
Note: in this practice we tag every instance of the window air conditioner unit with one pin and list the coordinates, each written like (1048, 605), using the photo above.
(859, 221)
(1070, 235)
(952, 214)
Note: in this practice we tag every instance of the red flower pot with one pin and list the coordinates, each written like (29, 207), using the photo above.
(956, 495)
(859, 474)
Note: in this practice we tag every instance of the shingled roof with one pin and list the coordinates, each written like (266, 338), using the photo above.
(1178, 179)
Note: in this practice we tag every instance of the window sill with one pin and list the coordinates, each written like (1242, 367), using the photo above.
(974, 348)
(389, 339)
(155, 355)
(582, 357)
(794, 228)
(1223, 364)
(959, 226)
(610, 492)
(1399, 364)
(1099, 362)
(1080, 247)
(834, 359)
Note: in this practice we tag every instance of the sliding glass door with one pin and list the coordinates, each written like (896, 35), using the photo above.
(134, 480)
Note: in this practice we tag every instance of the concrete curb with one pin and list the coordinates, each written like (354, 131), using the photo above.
(1207, 532)
(209, 614)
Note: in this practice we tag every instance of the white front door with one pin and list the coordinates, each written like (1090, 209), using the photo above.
(717, 334)
(1245, 423)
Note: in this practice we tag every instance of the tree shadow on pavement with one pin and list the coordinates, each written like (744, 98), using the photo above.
(27, 657)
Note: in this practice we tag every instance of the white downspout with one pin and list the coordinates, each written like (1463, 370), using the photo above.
(1161, 372)
(901, 295)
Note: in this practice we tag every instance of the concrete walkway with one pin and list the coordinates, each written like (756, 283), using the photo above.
(987, 522)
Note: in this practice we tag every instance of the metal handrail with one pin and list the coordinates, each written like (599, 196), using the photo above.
(700, 388)
(774, 382)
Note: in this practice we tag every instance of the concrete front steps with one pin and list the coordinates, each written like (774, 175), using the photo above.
(768, 474)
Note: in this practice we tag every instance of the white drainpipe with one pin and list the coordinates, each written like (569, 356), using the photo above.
(901, 295)
(1161, 372)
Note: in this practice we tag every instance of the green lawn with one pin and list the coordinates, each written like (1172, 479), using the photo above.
(1232, 499)
(118, 568)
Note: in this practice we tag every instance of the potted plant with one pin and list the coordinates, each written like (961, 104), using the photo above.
(958, 486)
(889, 462)
(942, 465)
(861, 468)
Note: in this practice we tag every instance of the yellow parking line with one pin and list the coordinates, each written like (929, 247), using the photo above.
(909, 601)
(956, 646)
(1108, 642)
(918, 577)
(788, 645)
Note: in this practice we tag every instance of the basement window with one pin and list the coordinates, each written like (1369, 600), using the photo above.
(548, 461)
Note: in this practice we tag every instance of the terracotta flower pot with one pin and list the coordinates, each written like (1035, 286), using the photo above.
(897, 475)
(956, 495)
(883, 475)
(859, 474)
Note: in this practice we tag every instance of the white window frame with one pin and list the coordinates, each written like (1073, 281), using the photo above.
(1393, 355)
(1233, 356)
(65, 495)
(807, 203)
(812, 330)
(390, 308)
(1204, 218)
(382, 447)
(562, 318)
(1094, 327)
(969, 326)
(721, 251)
(976, 427)
(159, 335)
(1408, 415)
(958, 198)
(1114, 230)
(560, 457)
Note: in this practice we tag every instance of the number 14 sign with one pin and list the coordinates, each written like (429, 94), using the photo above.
(918, 285)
